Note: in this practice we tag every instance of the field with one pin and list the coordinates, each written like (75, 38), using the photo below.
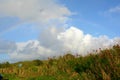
(102, 65)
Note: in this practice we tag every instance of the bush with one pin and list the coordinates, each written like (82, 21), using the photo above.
(37, 62)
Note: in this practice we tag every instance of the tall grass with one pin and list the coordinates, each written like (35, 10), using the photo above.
(105, 65)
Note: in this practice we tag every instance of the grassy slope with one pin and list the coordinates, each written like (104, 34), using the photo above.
(102, 66)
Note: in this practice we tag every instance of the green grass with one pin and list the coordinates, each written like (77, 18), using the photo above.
(105, 65)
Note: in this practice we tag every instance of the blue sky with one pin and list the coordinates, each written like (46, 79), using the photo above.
(93, 16)
(28, 23)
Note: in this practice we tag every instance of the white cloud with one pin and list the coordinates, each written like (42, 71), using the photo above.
(111, 11)
(52, 41)
(39, 12)
(34, 10)
(56, 42)
(30, 50)
(75, 40)
(114, 9)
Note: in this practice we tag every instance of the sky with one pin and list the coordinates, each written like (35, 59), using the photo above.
(38, 29)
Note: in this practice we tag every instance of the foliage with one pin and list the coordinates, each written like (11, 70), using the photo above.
(37, 62)
(103, 65)
(5, 65)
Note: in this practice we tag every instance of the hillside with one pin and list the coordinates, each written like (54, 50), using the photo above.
(103, 65)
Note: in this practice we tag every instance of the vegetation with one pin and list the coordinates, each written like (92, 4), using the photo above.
(103, 65)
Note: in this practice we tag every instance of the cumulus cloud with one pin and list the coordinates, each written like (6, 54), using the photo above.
(30, 50)
(76, 41)
(48, 38)
(57, 42)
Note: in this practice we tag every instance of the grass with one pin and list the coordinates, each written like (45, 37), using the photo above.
(105, 65)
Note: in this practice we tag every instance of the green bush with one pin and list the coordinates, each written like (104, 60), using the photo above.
(37, 62)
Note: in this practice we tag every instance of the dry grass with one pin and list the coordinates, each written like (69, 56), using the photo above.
(102, 66)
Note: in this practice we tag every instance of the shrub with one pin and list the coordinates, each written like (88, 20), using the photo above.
(37, 62)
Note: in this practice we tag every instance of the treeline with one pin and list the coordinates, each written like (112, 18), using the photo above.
(103, 65)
